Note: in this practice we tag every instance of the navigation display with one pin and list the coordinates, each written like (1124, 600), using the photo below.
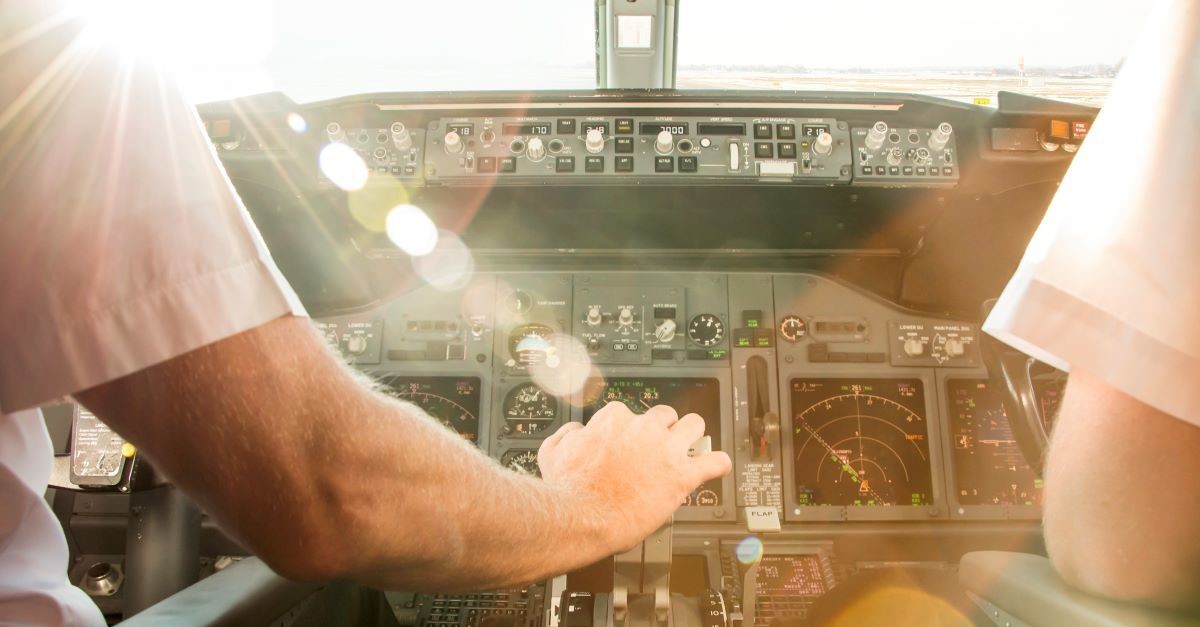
(989, 468)
(454, 401)
(860, 442)
(687, 396)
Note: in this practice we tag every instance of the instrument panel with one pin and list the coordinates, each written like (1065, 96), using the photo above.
(878, 420)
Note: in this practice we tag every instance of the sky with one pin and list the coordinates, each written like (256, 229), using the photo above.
(314, 50)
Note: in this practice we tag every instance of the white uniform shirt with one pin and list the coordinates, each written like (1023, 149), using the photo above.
(1110, 283)
(122, 244)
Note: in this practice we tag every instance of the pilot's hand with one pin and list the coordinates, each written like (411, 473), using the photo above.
(635, 469)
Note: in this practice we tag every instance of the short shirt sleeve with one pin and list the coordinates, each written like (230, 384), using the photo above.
(1110, 283)
(123, 242)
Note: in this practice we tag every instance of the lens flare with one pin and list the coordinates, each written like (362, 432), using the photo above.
(566, 368)
(411, 230)
(449, 267)
(341, 165)
(297, 123)
(749, 550)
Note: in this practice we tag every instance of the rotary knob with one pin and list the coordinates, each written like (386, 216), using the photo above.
(335, 132)
(895, 156)
(665, 331)
(876, 135)
(940, 136)
(594, 318)
(356, 344)
(823, 144)
(921, 156)
(625, 318)
(594, 141)
(535, 149)
(400, 136)
(664, 143)
(955, 347)
(453, 143)
(914, 347)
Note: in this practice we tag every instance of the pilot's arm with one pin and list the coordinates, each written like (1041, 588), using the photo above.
(134, 279)
(1110, 289)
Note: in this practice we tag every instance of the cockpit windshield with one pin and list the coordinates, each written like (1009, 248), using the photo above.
(1064, 49)
(310, 50)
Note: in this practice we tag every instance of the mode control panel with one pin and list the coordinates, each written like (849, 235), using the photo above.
(391, 153)
(665, 149)
(905, 156)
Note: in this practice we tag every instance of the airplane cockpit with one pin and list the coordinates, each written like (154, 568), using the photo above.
(789, 219)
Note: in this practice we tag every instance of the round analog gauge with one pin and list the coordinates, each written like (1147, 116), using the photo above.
(528, 409)
(523, 461)
(706, 330)
(860, 443)
(529, 344)
(792, 328)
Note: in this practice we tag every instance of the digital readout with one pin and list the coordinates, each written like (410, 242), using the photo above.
(813, 130)
(722, 128)
(463, 130)
(654, 128)
(599, 126)
(526, 128)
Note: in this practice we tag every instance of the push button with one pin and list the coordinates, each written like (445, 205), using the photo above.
(785, 131)
(762, 131)
(564, 164)
(624, 126)
(787, 150)
(566, 126)
(623, 164)
(764, 150)
(688, 164)
(508, 164)
(486, 164)
(593, 164)
(623, 145)
(664, 164)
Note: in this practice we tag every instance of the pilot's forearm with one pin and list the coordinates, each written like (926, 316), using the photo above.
(1121, 514)
(324, 479)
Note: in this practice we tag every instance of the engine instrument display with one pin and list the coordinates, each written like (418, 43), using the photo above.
(686, 395)
(454, 401)
(528, 409)
(860, 442)
(989, 468)
(791, 576)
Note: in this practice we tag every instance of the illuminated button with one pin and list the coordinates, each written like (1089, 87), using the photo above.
(564, 164)
(487, 164)
(908, 170)
(787, 150)
(785, 131)
(688, 164)
(764, 150)
(508, 164)
(593, 164)
(762, 131)
(920, 171)
(664, 164)
(894, 170)
(624, 126)
(948, 171)
(866, 169)
(566, 126)
(623, 145)
(623, 164)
